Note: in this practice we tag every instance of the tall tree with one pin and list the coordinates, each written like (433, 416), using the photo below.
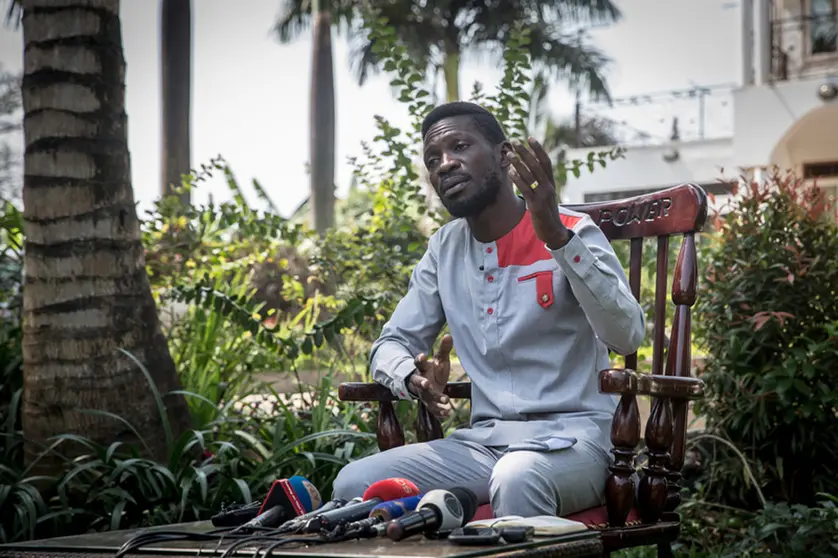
(322, 120)
(440, 33)
(86, 291)
(296, 17)
(176, 84)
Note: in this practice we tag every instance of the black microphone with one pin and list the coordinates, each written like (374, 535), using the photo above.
(370, 527)
(438, 511)
(353, 511)
(376, 524)
(299, 522)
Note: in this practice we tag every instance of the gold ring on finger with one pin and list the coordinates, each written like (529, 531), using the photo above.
(534, 185)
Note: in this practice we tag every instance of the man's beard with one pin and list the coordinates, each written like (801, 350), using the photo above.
(477, 202)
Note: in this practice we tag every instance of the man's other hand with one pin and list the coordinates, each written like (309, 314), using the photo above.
(431, 376)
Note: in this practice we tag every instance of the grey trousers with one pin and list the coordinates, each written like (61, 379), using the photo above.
(524, 483)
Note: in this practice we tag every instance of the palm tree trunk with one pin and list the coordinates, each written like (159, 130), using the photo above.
(322, 121)
(176, 83)
(86, 291)
(451, 71)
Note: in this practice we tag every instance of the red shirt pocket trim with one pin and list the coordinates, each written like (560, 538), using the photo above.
(543, 287)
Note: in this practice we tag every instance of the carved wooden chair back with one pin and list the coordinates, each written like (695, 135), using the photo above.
(680, 210)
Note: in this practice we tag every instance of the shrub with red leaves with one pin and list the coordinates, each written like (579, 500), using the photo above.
(767, 315)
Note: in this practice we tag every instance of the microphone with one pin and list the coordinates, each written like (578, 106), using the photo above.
(438, 510)
(299, 522)
(378, 492)
(376, 524)
(286, 499)
(387, 511)
(391, 489)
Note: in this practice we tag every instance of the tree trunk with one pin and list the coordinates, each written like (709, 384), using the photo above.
(86, 291)
(322, 121)
(176, 98)
(451, 71)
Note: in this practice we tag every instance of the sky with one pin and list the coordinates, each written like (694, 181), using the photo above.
(250, 92)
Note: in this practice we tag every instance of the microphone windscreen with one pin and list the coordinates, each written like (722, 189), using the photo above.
(306, 492)
(468, 500)
(391, 489)
(296, 495)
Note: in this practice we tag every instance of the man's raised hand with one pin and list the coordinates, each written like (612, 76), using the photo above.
(431, 376)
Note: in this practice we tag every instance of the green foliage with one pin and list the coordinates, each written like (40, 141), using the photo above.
(11, 359)
(648, 277)
(511, 106)
(779, 529)
(767, 315)
(234, 458)
(242, 292)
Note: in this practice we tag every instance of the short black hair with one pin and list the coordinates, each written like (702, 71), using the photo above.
(482, 118)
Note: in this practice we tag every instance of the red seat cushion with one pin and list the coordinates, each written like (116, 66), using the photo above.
(596, 518)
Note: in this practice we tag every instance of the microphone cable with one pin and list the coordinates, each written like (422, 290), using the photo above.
(276, 536)
(220, 535)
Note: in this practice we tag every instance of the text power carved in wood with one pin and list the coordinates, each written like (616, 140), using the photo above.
(636, 213)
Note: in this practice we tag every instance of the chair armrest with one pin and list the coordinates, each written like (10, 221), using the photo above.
(624, 381)
(363, 391)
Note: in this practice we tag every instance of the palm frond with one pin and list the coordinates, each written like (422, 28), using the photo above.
(363, 61)
(568, 58)
(14, 12)
(294, 17)
(593, 132)
(581, 11)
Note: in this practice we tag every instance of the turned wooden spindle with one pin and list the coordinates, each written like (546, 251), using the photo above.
(679, 361)
(652, 494)
(389, 432)
(661, 287)
(625, 435)
(428, 426)
(635, 272)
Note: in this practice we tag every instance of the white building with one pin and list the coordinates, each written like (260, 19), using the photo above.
(785, 112)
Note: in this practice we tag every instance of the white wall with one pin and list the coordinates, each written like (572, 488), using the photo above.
(644, 167)
(763, 114)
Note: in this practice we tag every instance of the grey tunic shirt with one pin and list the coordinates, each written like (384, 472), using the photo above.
(531, 327)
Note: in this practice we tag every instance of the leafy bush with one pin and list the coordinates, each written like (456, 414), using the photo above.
(234, 459)
(768, 320)
(712, 531)
(779, 529)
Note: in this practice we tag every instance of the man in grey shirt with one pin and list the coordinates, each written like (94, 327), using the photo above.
(534, 297)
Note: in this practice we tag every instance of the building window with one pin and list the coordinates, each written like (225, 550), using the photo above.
(827, 169)
(823, 24)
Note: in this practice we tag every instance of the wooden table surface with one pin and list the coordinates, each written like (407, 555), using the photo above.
(97, 545)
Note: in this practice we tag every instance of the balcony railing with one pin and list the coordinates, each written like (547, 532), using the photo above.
(804, 46)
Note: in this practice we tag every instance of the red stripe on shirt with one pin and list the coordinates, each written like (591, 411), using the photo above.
(521, 246)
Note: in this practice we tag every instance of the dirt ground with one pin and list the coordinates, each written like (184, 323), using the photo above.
(285, 383)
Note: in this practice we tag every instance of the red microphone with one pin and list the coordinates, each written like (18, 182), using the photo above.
(381, 491)
(390, 489)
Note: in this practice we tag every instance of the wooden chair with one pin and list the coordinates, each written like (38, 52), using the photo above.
(632, 516)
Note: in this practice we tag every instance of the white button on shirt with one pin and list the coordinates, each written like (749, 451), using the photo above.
(531, 327)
